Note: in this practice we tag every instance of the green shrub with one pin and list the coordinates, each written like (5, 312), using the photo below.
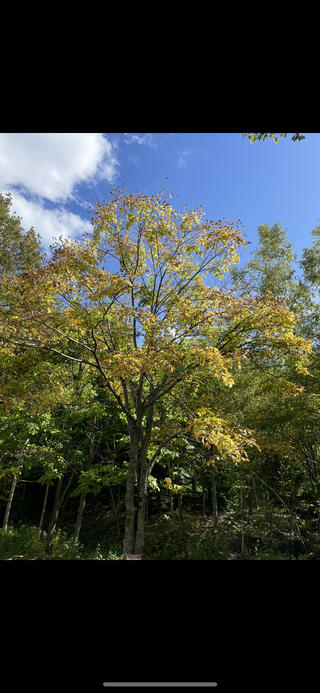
(208, 546)
(165, 540)
(21, 541)
(272, 555)
(170, 539)
(64, 549)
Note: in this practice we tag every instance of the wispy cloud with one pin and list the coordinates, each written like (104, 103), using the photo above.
(182, 159)
(134, 160)
(146, 139)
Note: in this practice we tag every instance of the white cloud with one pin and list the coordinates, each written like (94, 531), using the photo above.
(50, 165)
(146, 139)
(48, 223)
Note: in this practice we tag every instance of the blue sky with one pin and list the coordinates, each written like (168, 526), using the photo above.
(53, 178)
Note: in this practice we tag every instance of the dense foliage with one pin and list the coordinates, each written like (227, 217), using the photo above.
(155, 399)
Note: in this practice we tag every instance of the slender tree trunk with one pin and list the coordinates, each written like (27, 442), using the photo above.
(9, 504)
(12, 489)
(204, 504)
(77, 528)
(171, 502)
(58, 503)
(252, 497)
(268, 515)
(214, 497)
(114, 510)
(312, 479)
(255, 497)
(83, 497)
(44, 505)
(180, 506)
(194, 493)
(243, 544)
(180, 514)
(54, 517)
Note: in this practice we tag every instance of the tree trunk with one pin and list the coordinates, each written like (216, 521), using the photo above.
(54, 517)
(137, 474)
(9, 504)
(58, 503)
(13, 488)
(77, 528)
(171, 502)
(115, 510)
(180, 513)
(129, 535)
(204, 504)
(252, 498)
(142, 507)
(268, 515)
(214, 497)
(254, 494)
(94, 443)
(43, 513)
(243, 543)
(135, 516)
(136, 506)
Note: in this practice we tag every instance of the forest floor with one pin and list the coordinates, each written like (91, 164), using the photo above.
(190, 536)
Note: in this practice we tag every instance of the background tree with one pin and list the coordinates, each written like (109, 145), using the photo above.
(19, 249)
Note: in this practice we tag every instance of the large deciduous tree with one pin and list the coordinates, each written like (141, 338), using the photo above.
(130, 301)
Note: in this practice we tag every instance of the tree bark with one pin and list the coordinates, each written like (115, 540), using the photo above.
(77, 528)
(142, 507)
(9, 504)
(139, 469)
(43, 513)
(130, 516)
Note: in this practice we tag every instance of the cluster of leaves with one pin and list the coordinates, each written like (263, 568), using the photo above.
(262, 136)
